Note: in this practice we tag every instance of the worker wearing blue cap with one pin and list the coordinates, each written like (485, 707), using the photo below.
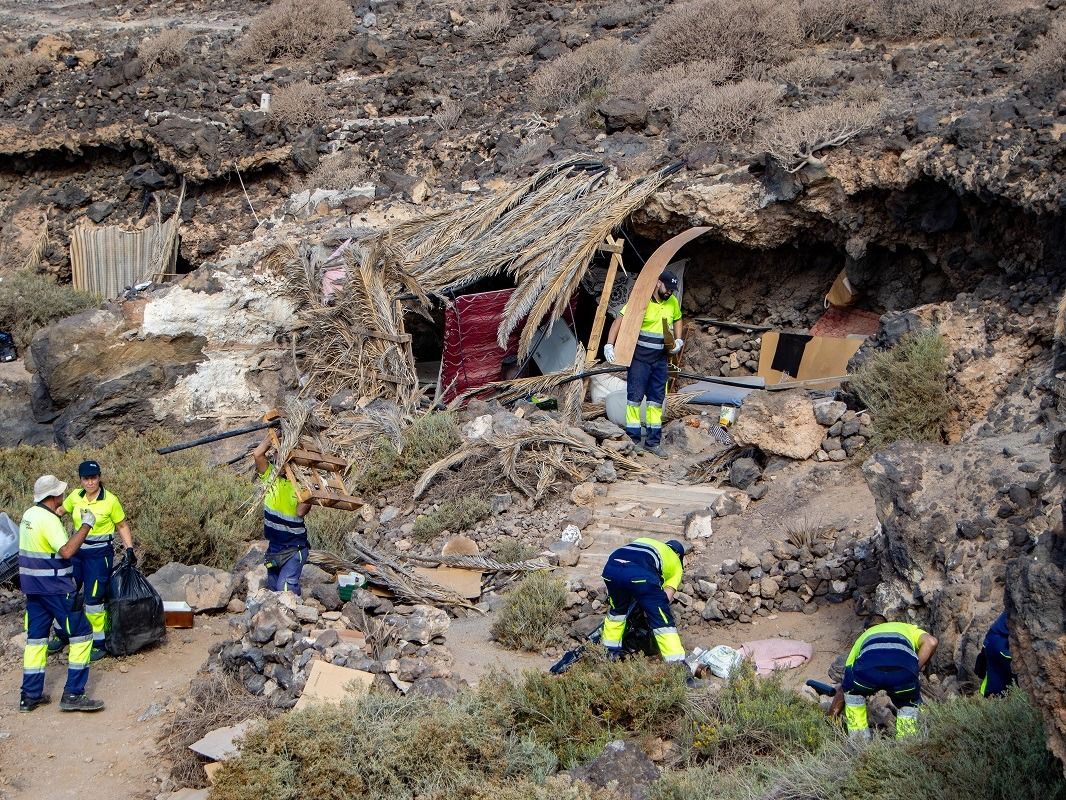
(649, 368)
(94, 560)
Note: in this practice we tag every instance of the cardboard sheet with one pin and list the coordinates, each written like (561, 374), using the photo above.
(328, 683)
(219, 744)
(823, 357)
(465, 582)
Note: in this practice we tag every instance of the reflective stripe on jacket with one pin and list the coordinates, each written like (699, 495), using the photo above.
(41, 570)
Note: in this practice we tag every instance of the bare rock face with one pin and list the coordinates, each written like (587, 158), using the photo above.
(951, 519)
(187, 354)
(19, 425)
(1036, 585)
(782, 423)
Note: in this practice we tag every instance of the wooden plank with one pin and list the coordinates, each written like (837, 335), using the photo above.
(643, 525)
(310, 458)
(626, 342)
(611, 246)
(601, 308)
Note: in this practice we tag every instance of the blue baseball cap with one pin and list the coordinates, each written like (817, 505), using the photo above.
(88, 469)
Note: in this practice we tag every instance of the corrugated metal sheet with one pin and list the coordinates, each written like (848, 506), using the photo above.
(106, 260)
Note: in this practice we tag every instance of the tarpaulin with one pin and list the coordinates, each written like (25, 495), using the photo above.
(471, 355)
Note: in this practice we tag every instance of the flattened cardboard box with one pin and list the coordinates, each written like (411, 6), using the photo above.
(328, 683)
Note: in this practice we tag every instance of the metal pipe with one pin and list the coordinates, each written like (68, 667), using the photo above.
(214, 437)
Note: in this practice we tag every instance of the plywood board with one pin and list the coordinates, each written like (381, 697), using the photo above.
(465, 582)
(823, 357)
(211, 769)
(626, 341)
(328, 683)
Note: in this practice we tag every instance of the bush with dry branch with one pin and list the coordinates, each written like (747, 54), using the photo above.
(674, 87)
(743, 33)
(729, 113)
(297, 29)
(520, 45)
(807, 71)
(1046, 63)
(20, 72)
(488, 27)
(299, 105)
(338, 171)
(165, 49)
(794, 140)
(447, 114)
(932, 18)
(573, 78)
(825, 20)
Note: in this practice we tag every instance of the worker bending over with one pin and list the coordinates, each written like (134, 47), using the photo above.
(887, 657)
(95, 559)
(645, 572)
(283, 525)
(46, 575)
(648, 370)
(994, 664)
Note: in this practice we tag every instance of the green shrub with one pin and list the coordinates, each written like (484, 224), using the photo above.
(451, 515)
(905, 388)
(750, 718)
(23, 317)
(595, 701)
(532, 614)
(326, 528)
(429, 439)
(179, 507)
(974, 748)
(386, 747)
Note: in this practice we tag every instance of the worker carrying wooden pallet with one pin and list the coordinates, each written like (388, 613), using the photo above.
(660, 337)
(283, 524)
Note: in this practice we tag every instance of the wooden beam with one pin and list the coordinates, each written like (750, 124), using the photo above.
(605, 298)
(611, 246)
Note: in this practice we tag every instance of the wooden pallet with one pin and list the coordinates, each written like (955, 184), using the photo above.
(319, 478)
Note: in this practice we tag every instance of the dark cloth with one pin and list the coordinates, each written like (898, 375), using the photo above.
(789, 352)
(998, 672)
(646, 378)
(284, 569)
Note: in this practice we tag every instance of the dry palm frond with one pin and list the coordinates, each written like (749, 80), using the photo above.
(402, 582)
(446, 463)
(570, 407)
(678, 405)
(485, 564)
(711, 469)
(36, 252)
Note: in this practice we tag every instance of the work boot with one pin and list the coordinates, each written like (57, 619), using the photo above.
(55, 644)
(79, 702)
(97, 653)
(27, 704)
(655, 450)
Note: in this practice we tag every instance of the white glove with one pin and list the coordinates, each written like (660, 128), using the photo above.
(608, 352)
(678, 344)
(87, 518)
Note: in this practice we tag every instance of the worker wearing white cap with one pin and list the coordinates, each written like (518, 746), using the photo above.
(46, 576)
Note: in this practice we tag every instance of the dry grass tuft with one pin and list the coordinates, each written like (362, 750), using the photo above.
(297, 29)
(488, 27)
(795, 139)
(931, 18)
(574, 78)
(164, 50)
(807, 71)
(1046, 63)
(455, 515)
(674, 88)
(752, 32)
(729, 113)
(338, 171)
(447, 114)
(21, 72)
(532, 616)
(299, 105)
(215, 700)
(825, 20)
(520, 45)
(52, 302)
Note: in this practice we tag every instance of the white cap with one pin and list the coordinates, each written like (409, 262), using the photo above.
(47, 486)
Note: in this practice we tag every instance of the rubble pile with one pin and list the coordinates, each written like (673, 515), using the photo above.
(723, 351)
(278, 637)
(847, 431)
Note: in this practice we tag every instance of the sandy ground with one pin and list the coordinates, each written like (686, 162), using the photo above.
(49, 755)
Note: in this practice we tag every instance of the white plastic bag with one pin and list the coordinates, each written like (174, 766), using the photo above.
(721, 660)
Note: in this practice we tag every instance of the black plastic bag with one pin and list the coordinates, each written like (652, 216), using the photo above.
(134, 610)
(638, 638)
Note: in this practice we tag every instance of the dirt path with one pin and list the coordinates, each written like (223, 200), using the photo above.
(113, 752)
(475, 655)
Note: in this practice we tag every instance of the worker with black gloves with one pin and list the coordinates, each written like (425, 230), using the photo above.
(94, 560)
(994, 664)
(886, 657)
(645, 572)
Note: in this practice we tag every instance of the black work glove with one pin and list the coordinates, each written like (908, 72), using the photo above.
(131, 557)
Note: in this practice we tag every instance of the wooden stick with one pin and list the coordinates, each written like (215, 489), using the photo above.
(605, 297)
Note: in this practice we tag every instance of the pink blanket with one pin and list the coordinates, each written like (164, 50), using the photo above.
(771, 654)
